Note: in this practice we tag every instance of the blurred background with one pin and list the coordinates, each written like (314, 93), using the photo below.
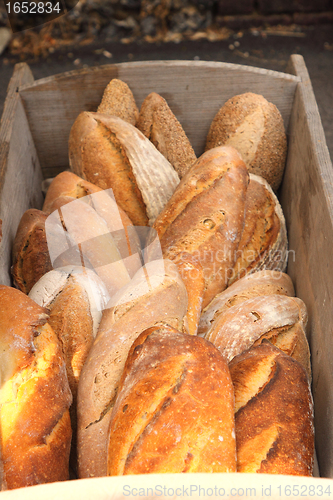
(262, 33)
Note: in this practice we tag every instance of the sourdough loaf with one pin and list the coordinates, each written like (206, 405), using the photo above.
(158, 123)
(111, 153)
(273, 412)
(253, 126)
(174, 411)
(156, 295)
(34, 395)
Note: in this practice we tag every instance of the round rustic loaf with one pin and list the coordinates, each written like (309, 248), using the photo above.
(253, 126)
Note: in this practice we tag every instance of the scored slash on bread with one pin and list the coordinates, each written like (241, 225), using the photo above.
(34, 396)
(273, 413)
(174, 408)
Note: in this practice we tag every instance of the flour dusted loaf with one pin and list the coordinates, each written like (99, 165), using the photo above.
(273, 412)
(34, 395)
(156, 295)
(112, 153)
(30, 255)
(174, 408)
(255, 128)
(158, 123)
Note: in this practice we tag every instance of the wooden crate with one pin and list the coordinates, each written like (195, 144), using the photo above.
(34, 133)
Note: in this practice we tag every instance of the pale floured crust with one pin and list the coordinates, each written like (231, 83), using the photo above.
(34, 396)
(274, 413)
(264, 243)
(30, 254)
(158, 123)
(111, 153)
(255, 128)
(138, 306)
(205, 218)
(180, 383)
(118, 100)
(252, 285)
(279, 318)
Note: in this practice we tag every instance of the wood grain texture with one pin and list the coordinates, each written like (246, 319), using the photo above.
(307, 201)
(20, 174)
(203, 86)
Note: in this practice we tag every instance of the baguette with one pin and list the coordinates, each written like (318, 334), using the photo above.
(273, 412)
(34, 396)
(174, 411)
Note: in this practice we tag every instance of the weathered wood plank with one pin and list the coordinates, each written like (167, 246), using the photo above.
(20, 173)
(203, 86)
(307, 201)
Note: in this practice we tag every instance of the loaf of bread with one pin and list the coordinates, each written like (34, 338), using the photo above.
(30, 255)
(111, 153)
(263, 244)
(252, 285)
(174, 410)
(156, 295)
(118, 100)
(158, 123)
(205, 218)
(253, 126)
(34, 396)
(273, 412)
(279, 318)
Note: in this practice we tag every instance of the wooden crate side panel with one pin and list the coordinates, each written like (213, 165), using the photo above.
(20, 179)
(307, 201)
(53, 104)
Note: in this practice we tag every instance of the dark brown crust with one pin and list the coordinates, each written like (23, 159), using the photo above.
(179, 382)
(158, 123)
(36, 432)
(31, 259)
(282, 404)
(209, 218)
(96, 155)
(270, 156)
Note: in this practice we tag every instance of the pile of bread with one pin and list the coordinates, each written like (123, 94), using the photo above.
(185, 352)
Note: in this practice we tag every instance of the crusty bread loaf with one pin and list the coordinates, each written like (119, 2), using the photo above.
(30, 253)
(111, 153)
(156, 295)
(158, 123)
(205, 217)
(34, 395)
(273, 412)
(174, 408)
(252, 285)
(253, 126)
(279, 318)
(263, 244)
(118, 100)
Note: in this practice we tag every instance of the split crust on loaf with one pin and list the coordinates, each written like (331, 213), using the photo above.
(180, 383)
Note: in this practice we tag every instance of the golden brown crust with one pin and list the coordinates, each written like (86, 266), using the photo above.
(274, 413)
(163, 301)
(118, 100)
(67, 184)
(259, 283)
(263, 244)
(96, 154)
(205, 217)
(279, 318)
(30, 253)
(158, 123)
(34, 397)
(255, 128)
(179, 382)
